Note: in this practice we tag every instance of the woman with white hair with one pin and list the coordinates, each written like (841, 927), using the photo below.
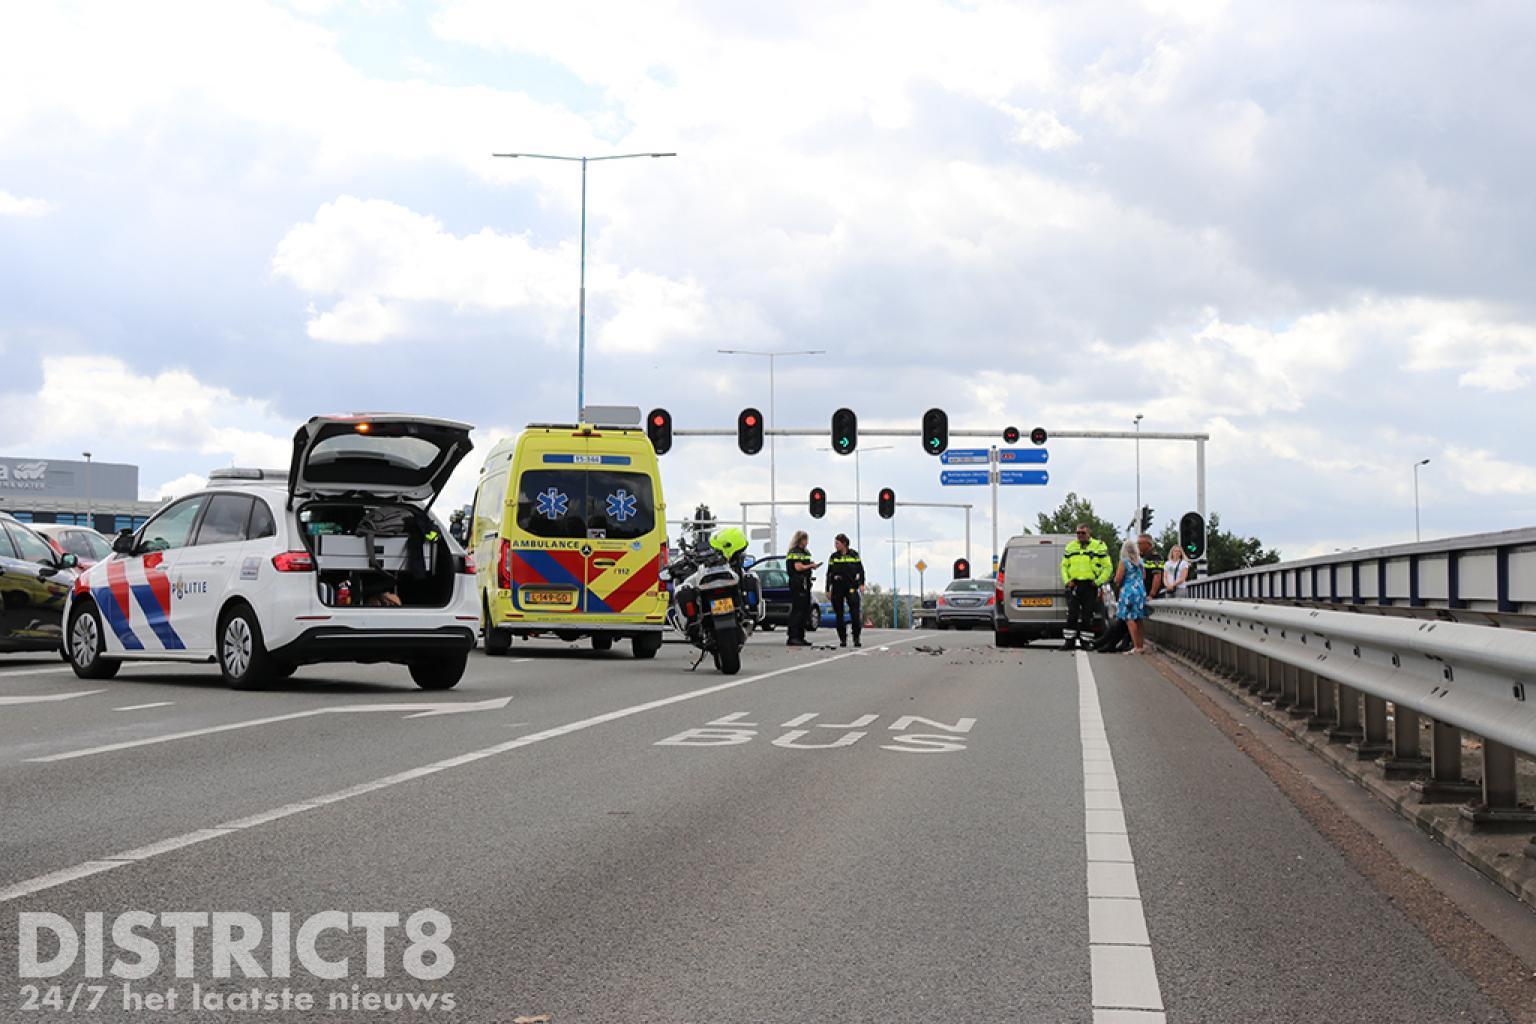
(1131, 578)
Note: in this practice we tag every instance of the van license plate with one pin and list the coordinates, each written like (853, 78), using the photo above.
(722, 605)
(1031, 602)
(546, 596)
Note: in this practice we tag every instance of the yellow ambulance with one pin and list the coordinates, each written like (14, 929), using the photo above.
(569, 535)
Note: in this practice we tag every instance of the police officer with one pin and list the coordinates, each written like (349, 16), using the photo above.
(1085, 567)
(1152, 561)
(845, 582)
(801, 570)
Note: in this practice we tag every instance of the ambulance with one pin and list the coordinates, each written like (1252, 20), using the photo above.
(569, 535)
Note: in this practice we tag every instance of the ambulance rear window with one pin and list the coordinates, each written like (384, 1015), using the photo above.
(553, 503)
(620, 504)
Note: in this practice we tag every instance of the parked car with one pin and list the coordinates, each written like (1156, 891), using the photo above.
(772, 571)
(35, 581)
(965, 604)
(1031, 601)
(334, 559)
(83, 542)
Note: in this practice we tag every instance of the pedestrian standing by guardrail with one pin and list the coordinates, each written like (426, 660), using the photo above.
(1130, 577)
(1175, 572)
(801, 568)
(1085, 567)
(845, 582)
(1152, 565)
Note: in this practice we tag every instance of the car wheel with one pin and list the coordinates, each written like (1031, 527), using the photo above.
(497, 641)
(442, 674)
(602, 642)
(243, 657)
(283, 669)
(646, 645)
(86, 644)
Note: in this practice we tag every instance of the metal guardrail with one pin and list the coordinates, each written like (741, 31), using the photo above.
(1485, 577)
(1339, 671)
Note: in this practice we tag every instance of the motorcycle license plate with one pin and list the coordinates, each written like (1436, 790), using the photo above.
(1031, 602)
(722, 605)
(546, 596)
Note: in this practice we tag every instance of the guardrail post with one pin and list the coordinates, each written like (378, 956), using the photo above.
(1373, 741)
(1325, 706)
(1347, 715)
(1445, 784)
(1306, 695)
(1271, 674)
(1500, 809)
(1406, 761)
(1287, 696)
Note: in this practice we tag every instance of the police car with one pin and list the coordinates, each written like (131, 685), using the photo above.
(336, 559)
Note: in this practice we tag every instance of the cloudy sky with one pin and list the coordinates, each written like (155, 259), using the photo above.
(1304, 228)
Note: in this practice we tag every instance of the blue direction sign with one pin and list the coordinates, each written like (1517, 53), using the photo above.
(965, 457)
(1023, 476)
(964, 477)
(1038, 456)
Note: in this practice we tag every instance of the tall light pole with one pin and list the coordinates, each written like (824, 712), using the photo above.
(581, 321)
(858, 509)
(1138, 464)
(773, 470)
(893, 541)
(90, 520)
(1416, 465)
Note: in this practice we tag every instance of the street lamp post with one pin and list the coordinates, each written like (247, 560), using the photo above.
(858, 509)
(908, 543)
(1138, 464)
(90, 519)
(773, 470)
(581, 320)
(1416, 465)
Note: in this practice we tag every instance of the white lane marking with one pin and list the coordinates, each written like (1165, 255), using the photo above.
(1125, 986)
(57, 878)
(141, 707)
(33, 672)
(45, 698)
(424, 711)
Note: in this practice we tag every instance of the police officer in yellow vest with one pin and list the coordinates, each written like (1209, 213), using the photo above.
(801, 568)
(1085, 567)
(845, 581)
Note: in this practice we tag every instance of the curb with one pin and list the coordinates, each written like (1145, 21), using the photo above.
(1499, 858)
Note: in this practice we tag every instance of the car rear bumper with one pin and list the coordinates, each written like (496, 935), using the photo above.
(346, 643)
(950, 615)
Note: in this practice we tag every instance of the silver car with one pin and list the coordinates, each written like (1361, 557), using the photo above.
(965, 604)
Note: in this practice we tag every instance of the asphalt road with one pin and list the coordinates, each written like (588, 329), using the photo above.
(881, 835)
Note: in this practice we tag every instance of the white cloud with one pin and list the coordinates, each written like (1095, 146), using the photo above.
(184, 484)
(22, 206)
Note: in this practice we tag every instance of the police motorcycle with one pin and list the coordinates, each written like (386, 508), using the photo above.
(716, 601)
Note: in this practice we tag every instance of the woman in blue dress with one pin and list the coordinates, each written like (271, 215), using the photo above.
(1131, 578)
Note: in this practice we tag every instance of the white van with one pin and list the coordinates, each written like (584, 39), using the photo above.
(1031, 601)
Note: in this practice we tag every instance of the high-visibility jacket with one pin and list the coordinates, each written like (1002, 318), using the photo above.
(1085, 562)
(798, 562)
(1153, 567)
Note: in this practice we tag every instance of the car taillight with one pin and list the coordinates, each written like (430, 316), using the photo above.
(690, 609)
(942, 602)
(999, 591)
(992, 599)
(293, 561)
(504, 566)
(665, 555)
(467, 564)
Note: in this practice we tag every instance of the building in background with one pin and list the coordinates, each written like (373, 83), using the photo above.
(102, 495)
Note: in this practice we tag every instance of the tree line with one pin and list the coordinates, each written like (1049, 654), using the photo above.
(1224, 550)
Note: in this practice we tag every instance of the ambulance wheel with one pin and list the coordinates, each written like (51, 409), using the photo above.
(497, 641)
(442, 674)
(646, 645)
(602, 642)
(86, 644)
(243, 657)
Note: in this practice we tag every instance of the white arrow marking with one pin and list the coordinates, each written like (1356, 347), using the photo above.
(423, 710)
(45, 698)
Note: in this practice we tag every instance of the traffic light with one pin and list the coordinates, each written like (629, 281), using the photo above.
(1010, 435)
(749, 431)
(658, 427)
(935, 431)
(962, 569)
(818, 502)
(845, 431)
(887, 503)
(1146, 519)
(1192, 535)
(1037, 436)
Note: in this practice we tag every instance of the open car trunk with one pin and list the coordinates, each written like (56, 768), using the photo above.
(406, 565)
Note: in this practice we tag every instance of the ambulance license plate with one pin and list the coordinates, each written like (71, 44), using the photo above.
(546, 596)
(1031, 602)
(722, 605)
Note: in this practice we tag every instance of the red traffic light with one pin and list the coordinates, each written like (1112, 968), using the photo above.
(818, 502)
(658, 428)
(749, 431)
(962, 569)
(658, 419)
(1037, 436)
(887, 503)
(749, 420)
(1010, 435)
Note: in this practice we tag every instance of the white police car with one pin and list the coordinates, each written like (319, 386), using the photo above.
(335, 559)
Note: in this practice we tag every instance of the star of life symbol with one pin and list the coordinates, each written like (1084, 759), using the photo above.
(551, 504)
(622, 506)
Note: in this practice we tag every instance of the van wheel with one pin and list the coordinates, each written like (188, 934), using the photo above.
(497, 641)
(602, 642)
(442, 674)
(86, 644)
(646, 645)
(243, 657)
